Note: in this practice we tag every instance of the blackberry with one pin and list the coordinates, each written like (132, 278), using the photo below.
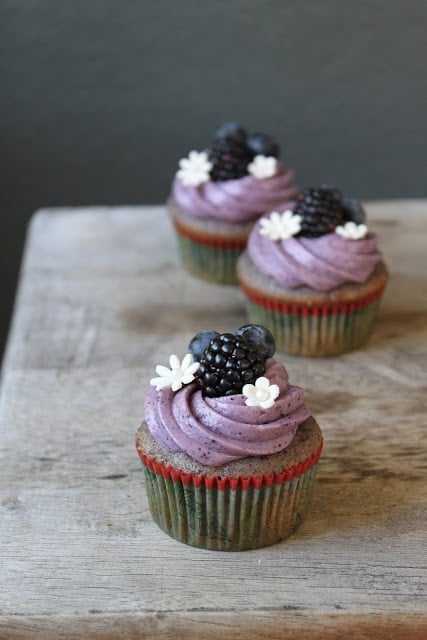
(321, 210)
(227, 364)
(333, 190)
(230, 158)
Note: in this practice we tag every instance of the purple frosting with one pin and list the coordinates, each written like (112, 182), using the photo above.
(215, 431)
(320, 263)
(240, 200)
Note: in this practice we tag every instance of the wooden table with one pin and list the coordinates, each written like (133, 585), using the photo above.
(101, 301)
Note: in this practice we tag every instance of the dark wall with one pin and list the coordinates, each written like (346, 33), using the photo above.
(99, 98)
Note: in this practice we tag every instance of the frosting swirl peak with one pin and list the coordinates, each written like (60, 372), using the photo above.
(322, 263)
(216, 431)
(239, 200)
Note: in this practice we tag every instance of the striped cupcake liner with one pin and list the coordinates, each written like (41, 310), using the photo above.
(315, 331)
(225, 514)
(211, 259)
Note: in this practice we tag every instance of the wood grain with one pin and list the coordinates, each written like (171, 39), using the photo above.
(101, 301)
(234, 625)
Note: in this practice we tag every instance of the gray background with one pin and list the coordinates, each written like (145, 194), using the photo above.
(100, 98)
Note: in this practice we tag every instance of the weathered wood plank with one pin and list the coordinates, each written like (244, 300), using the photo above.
(235, 625)
(102, 301)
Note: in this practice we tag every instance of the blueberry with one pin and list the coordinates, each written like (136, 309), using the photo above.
(263, 144)
(199, 343)
(353, 211)
(260, 336)
(230, 131)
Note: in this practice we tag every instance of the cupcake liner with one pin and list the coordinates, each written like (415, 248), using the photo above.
(315, 330)
(229, 514)
(209, 258)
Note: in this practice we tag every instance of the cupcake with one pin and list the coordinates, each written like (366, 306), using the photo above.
(314, 275)
(219, 192)
(229, 448)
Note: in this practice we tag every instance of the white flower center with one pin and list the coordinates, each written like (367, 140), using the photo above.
(352, 231)
(178, 374)
(263, 167)
(262, 394)
(280, 226)
(194, 170)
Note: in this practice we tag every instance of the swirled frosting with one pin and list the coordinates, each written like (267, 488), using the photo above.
(216, 431)
(240, 200)
(321, 263)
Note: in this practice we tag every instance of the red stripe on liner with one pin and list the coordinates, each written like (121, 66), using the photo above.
(197, 236)
(315, 310)
(232, 483)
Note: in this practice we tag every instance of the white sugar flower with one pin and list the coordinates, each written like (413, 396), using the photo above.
(194, 170)
(280, 226)
(177, 375)
(263, 167)
(261, 394)
(352, 231)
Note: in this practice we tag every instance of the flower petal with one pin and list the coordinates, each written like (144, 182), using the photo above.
(160, 383)
(184, 163)
(352, 231)
(248, 389)
(194, 170)
(187, 378)
(266, 228)
(266, 404)
(187, 361)
(251, 402)
(192, 368)
(262, 167)
(262, 383)
(174, 362)
(162, 370)
(274, 391)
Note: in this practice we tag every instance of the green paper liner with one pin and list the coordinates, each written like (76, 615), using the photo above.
(208, 258)
(229, 514)
(304, 330)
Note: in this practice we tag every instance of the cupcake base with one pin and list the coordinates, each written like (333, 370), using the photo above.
(209, 248)
(231, 510)
(305, 322)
